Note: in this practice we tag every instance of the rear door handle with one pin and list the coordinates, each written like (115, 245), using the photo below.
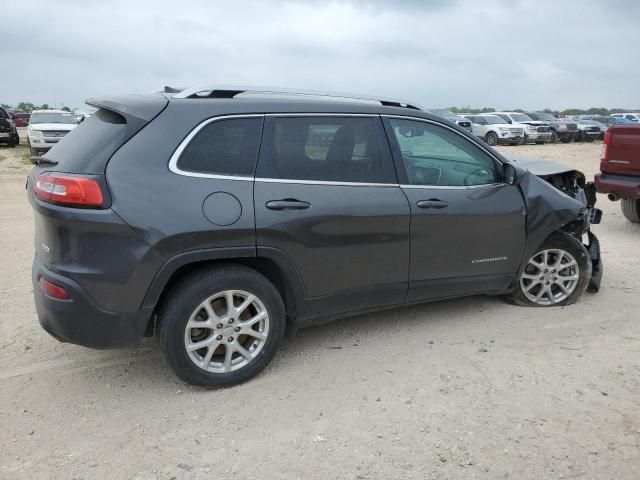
(432, 203)
(287, 204)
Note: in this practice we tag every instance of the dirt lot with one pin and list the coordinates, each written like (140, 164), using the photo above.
(472, 388)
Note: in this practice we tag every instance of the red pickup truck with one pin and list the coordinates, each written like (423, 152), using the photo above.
(619, 175)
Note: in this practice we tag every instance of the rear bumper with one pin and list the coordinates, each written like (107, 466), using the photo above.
(624, 186)
(79, 320)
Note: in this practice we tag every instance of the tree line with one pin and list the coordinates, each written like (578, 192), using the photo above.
(29, 107)
(569, 111)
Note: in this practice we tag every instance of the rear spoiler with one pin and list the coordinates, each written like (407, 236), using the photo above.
(137, 110)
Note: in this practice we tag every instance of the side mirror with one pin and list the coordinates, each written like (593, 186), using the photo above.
(510, 174)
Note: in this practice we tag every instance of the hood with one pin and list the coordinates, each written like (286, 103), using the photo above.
(46, 127)
(535, 122)
(543, 168)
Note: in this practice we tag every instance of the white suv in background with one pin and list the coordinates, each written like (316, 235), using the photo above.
(47, 127)
(495, 130)
(534, 130)
(634, 117)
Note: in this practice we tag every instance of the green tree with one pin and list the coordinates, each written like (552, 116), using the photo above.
(6, 106)
(26, 106)
(66, 109)
(44, 106)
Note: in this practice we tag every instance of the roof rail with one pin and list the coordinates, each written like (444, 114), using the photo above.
(226, 91)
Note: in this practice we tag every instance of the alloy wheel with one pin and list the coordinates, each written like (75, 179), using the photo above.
(550, 277)
(226, 331)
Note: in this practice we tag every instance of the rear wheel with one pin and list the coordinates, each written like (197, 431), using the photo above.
(222, 326)
(631, 209)
(492, 139)
(557, 274)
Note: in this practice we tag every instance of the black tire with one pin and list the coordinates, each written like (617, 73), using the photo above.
(492, 139)
(539, 143)
(558, 241)
(631, 209)
(554, 137)
(524, 139)
(183, 300)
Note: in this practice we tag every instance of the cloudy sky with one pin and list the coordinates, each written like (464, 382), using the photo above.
(505, 54)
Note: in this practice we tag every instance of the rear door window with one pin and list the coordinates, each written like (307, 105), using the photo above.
(224, 147)
(331, 149)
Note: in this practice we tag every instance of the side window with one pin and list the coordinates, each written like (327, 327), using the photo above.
(434, 155)
(224, 147)
(335, 149)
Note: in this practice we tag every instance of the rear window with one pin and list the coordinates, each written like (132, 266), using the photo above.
(88, 147)
(224, 147)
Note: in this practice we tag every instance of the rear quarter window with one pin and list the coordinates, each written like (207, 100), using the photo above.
(88, 147)
(223, 147)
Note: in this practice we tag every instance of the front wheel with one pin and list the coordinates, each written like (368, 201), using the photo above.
(557, 274)
(492, 139)
(554, 137)
(222, 326)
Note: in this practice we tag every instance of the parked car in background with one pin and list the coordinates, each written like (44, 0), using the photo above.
(588, 131)
(217, 218)
(534, 130)
(631, 116)
(8, 132)
(452, 117)
(495, 130)
(561, 129)
(48, 127)
(21, 119)
(619, 175)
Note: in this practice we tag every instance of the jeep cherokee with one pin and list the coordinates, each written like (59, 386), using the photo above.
(217, 218)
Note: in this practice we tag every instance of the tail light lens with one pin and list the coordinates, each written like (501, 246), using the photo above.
(53, 290)
(605, 150)
(74, 191)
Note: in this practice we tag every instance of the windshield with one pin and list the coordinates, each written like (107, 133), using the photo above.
(52, 117)
(544, 116)
(493, 119)
(520, 117)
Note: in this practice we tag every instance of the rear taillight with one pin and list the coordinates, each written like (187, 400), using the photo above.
(605, 150)
(68, 190)
(53, 290)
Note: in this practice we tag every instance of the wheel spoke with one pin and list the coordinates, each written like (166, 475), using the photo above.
(243, 306)
(540, 294)
(566, 278)
(558, 262)
(207, 358)
(201, 344)
(253, 333)
(531, 285)
(228, 295)
(243, 351)
(530, 276)
(228, 353)
(209, 309)
(253, 320)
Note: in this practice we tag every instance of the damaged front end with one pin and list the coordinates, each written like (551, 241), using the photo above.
(559, 198)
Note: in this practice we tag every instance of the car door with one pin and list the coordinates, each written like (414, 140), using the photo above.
(326, 196)
(467, 225)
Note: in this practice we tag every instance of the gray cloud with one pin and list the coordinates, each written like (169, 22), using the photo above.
(436, 53)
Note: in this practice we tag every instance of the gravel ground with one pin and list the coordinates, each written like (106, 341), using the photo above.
(472, 388)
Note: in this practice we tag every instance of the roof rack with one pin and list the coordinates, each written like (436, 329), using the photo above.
(221, 91)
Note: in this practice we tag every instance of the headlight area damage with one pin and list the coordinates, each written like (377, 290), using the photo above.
(559, 198)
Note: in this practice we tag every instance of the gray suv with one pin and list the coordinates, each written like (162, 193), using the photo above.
(217, 219)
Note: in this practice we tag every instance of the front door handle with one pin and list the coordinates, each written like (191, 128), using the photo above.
(287, 204)
(432, 203)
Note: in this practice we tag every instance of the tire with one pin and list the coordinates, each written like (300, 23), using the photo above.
(524, 140)
(554, 137)
(631, 209)
(536, 279)
(492, 139)
(185, 306)
(539, 143)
